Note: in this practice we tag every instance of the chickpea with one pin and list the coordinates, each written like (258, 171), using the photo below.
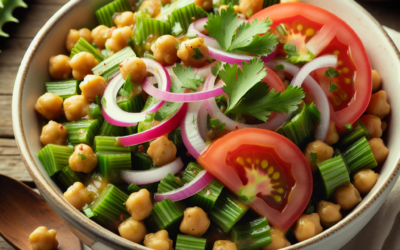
(165, 2)
(383, 126)
(139, 204)
(151, 7)
(136, 67)
(332, 137)
(224, 245)
(193, 52)
(347, 196)
(376, 81)
(225, 7)
(204, 4)
(49, 105)
(322, 150)
(77, 195)
(373, 125)
(158, 241)
(365, 180)
(53, 133)
(82, 65)
(278, 240)
(124, 19)
(379, 149)
(162, 151)
(119, 39)
(83, 159)
(43, 239)
(100, 34)
(93, 86)
(378, 105)
(250, 7)
(76, 107)
(329, 213)
(164, 50)
(195, 222)
(74, 36)
(307, 226)
(132, 230)
(59, 67)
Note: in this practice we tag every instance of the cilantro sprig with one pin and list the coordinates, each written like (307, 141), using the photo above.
(187, 76)
(248, 95)
(235, 36)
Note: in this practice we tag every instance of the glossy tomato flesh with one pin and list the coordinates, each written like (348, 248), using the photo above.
(305, 22)
(265, 170)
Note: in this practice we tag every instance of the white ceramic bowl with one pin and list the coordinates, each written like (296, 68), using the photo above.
(49, 41)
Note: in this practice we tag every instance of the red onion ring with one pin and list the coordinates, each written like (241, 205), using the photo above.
(196, 185)
(321, 101)
(157, 131)
(152, 175)
(113, 114)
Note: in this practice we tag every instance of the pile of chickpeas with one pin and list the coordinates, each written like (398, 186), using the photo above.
(163, 151)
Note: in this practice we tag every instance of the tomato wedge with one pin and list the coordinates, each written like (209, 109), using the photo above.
(265, 169)
(317, 32)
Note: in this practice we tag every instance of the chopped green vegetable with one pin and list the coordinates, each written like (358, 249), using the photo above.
(54, 158)
(133, 188)
(142, 161)
(167, 110)
(63, 89)
(331, 72)
(252, 235)
(106, 13)
(95, 111)
(359, 155)
(67, 177)
(110, 145)
(186, 242)
(198, 54)
(313, 157)
(348, 126)
(83, 46)
(110, 165)
(165, 215)
(334, 174)
(358, 132)
(184, 16)
(235, 36)
(332, 87)
(177, 29)
(280, 66)
(127, 88)
(83, 131)
(107, 129)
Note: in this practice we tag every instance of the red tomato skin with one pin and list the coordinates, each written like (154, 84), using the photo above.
(363, 79)
(214, 161)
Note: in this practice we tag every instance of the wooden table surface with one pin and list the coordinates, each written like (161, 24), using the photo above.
(13, 49)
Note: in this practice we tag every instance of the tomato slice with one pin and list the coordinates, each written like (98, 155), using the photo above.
(320, 32)
(265, 169)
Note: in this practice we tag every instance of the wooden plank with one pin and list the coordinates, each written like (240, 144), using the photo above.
(11, 163)
(13, 50)
(5, 114)
(8, 75)
(47, 2)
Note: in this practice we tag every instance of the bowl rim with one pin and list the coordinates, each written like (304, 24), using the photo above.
(78, 217)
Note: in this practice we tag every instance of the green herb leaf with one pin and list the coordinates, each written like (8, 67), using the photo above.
(259, 104)
(280, 66)
(291, 49)
(348, 126)
(104, 102)
(238, 82)
(82, 155)
(237, 37)
(331, 72)
(127, 88)
(187, 76)
(148, 55)
(313, 157)
(215, 69)
(177, 29)
(221, 127)
(198, 54)
(332, 87)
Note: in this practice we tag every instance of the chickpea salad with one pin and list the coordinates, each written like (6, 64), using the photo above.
(224, 125)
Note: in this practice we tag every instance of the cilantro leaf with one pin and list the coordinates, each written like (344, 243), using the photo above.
(248, 39)
(187, 76)
(332, 87)
(238, 37)
(82, 156)
(222, 26)
(198, 54)
(177, 29)
(259, 104)
(280, 66)
(331, 72)
(313, 157)
(127, 88)
(238, 82)
(295, 57)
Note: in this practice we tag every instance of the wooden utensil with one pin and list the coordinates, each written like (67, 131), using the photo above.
(22, 211)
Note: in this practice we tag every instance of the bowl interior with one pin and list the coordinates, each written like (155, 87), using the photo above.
(77, 14)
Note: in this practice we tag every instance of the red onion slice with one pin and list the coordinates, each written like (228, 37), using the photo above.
(157, 131)
(176, 97)
(152, 175)
(317, 63)
(191, 136)
(115, 115)
(196, 185)
(321, 101)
